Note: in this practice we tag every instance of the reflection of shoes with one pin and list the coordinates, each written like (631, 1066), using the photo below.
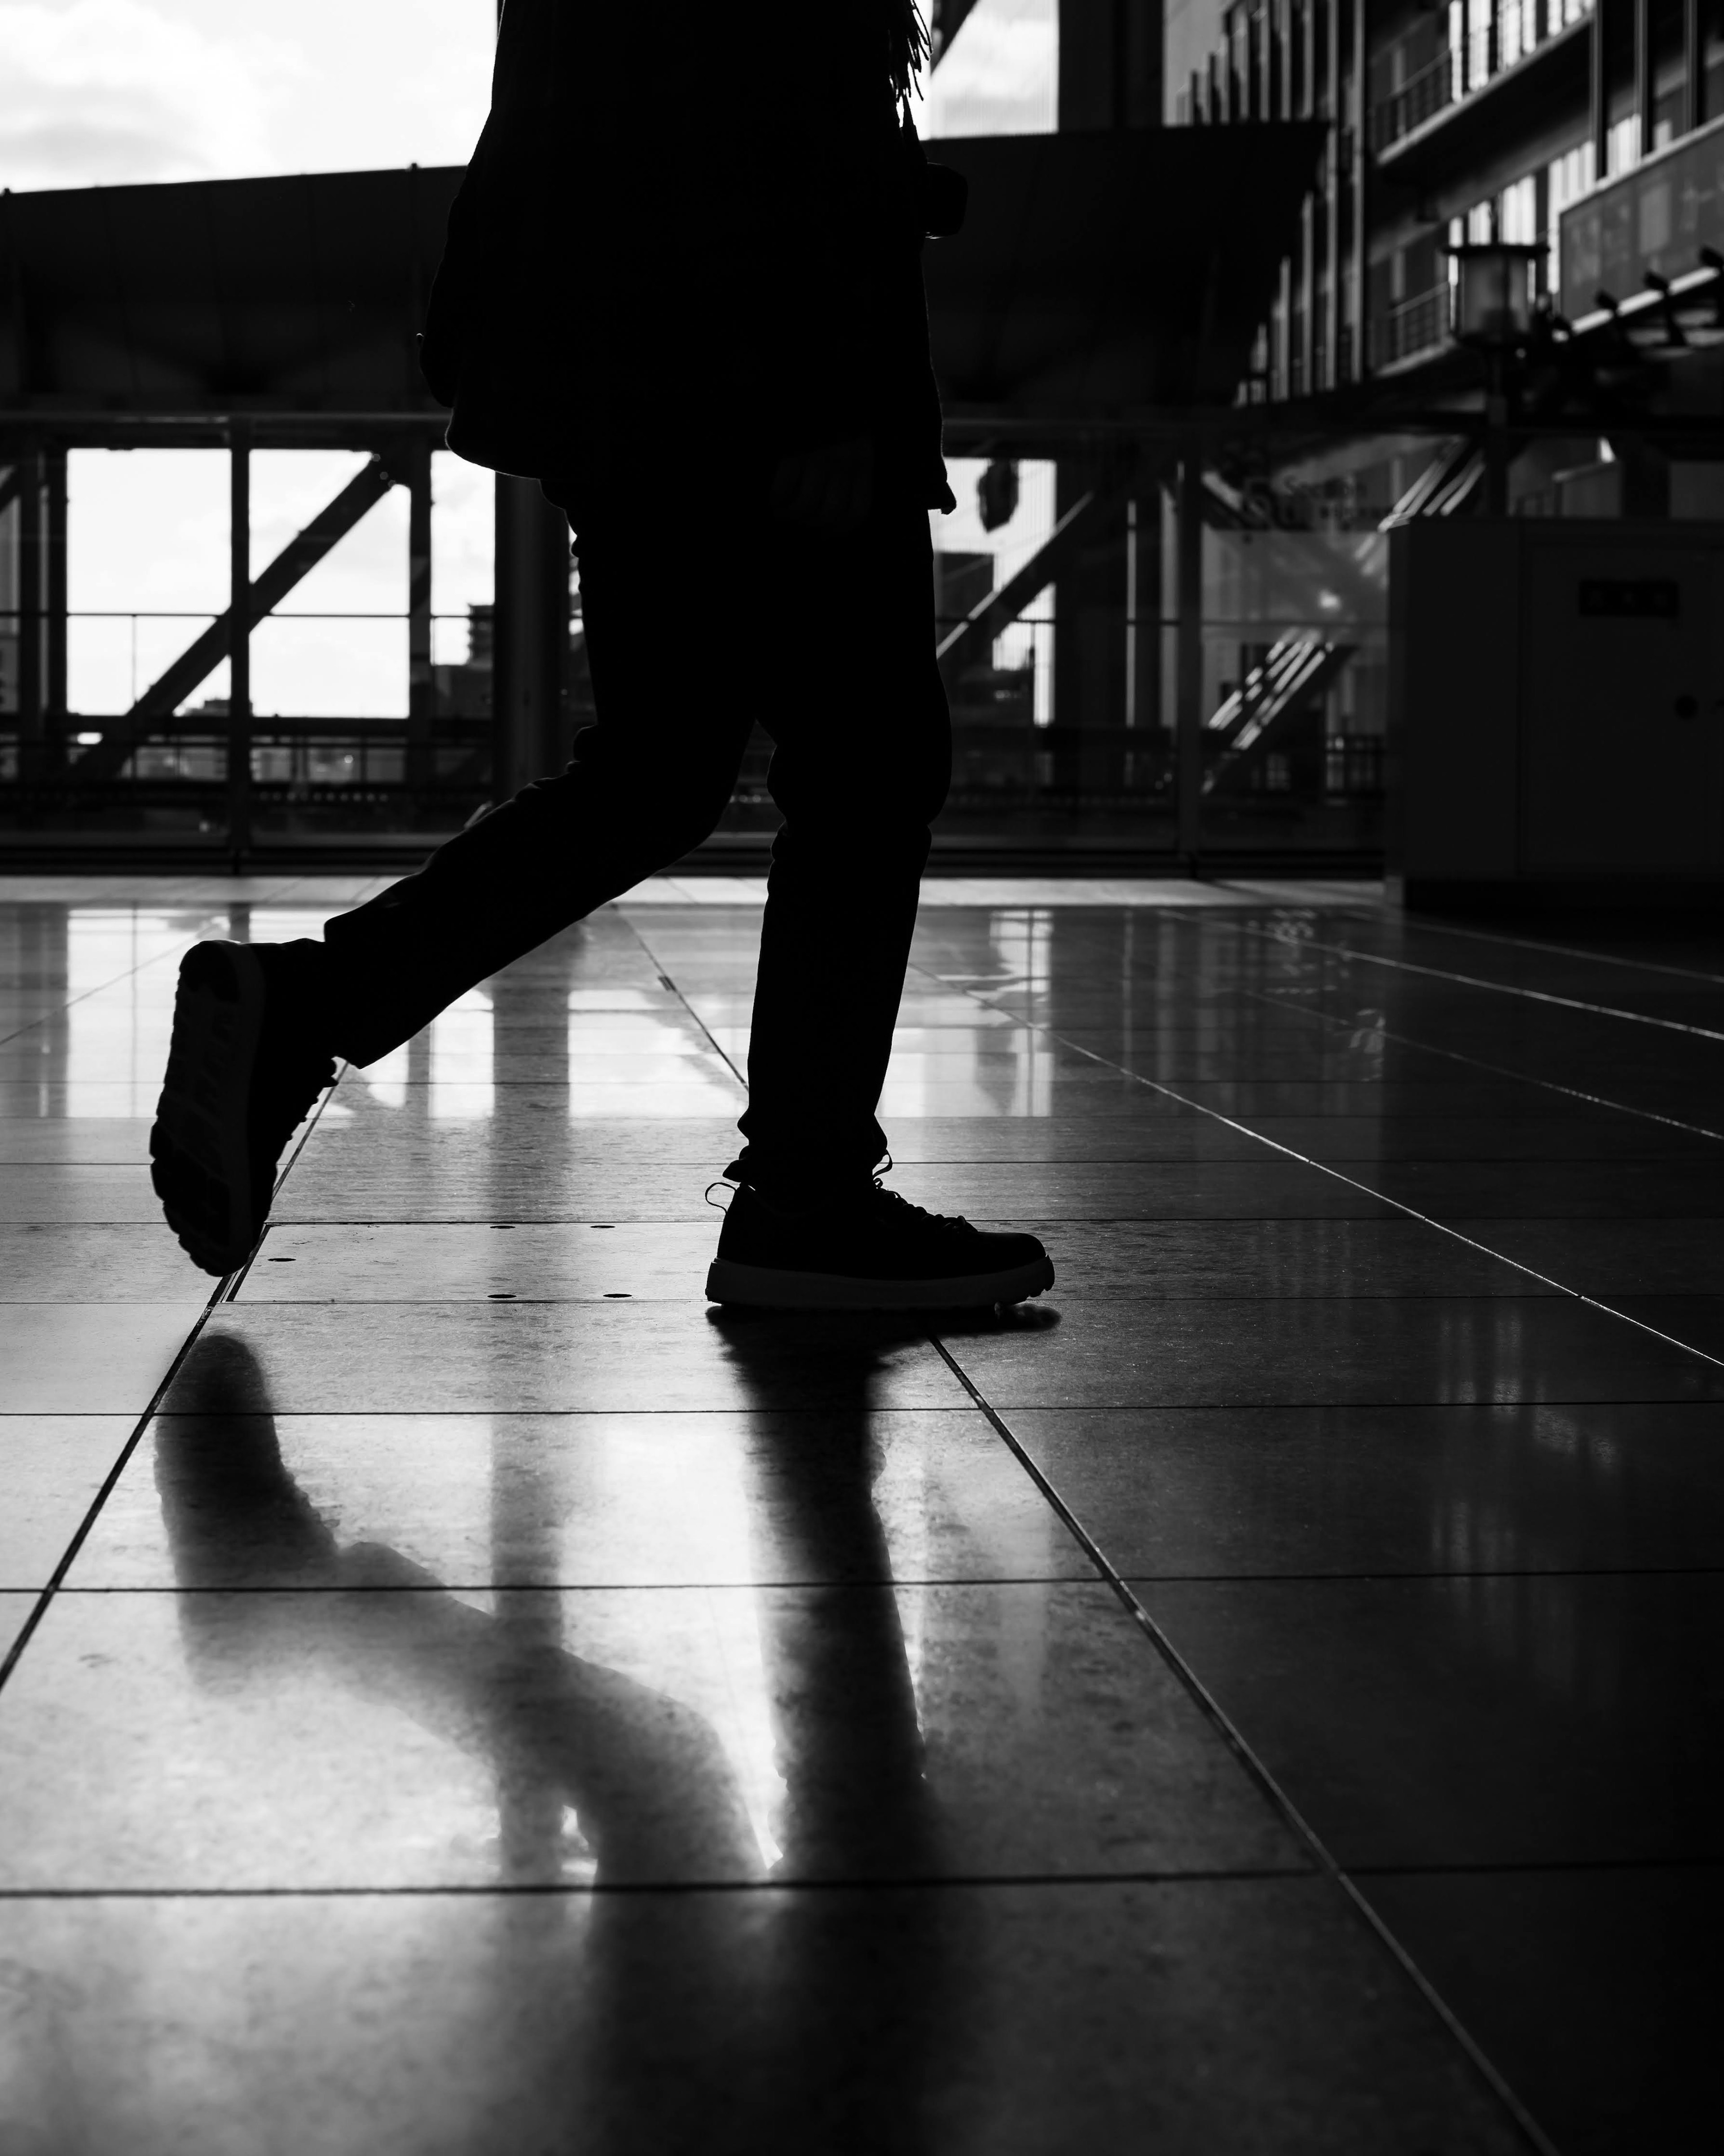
(877, 1252)
(241, 1077)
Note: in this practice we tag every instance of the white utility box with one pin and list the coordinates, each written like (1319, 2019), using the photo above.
(1555, 711)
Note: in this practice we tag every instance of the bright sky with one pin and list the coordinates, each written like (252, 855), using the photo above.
(114, 90)
(107, 92)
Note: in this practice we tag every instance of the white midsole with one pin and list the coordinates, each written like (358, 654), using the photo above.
(727, 1282)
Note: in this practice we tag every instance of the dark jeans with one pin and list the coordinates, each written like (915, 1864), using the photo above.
(829, 643)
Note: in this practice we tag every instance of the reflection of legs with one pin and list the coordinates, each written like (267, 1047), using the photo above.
(849, 1740)
(645, 784)
(656, 1795)
(862, 763)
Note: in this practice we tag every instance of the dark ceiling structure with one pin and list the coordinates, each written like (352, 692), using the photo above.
(1097, 273)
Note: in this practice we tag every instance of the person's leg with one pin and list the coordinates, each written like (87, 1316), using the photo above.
(645, 784)
(255, 1027)
(863, 756)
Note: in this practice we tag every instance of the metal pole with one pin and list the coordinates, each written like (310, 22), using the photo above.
(239, 640)
(1496, 441)
(1332, 376)
(1188, 659)
(1694, 81)
(1599, 49)
(30, 670)
(531, 632)
(421, 682)
(54, 593)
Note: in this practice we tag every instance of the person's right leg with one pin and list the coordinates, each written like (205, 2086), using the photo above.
(861, 765)
(256, 1029)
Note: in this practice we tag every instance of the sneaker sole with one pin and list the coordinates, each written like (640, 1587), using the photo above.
(763, 1286)
(199, 1160)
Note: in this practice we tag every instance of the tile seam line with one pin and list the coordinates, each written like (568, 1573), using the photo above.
(817, 1882)
(48, 1593)
(130, 973)
(870, 1582)
(228, 1291)
(1424, 1048)
(1411, 1212)
(942, 1405)
(223, 1291)
(1352, 1183)
(1424, 927)
(665, 1301)
(665, 981)
(1256, 1771)
(1472, 981)
(1497, 1070)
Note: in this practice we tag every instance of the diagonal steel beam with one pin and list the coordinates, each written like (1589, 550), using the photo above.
(971, 639)
(159, 702)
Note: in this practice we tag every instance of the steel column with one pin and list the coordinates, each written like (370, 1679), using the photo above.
(1188, 658)
(1357, 123)
(1331, 198)
(1598, 46)
(53, 604)
(239, 639)
(421, 682)
(1694, 81)
(532, 636)
(31, 682)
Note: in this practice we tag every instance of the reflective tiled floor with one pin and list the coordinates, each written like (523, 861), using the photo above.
(464, 1695)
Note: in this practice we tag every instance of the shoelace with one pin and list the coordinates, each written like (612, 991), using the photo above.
(951, 1222)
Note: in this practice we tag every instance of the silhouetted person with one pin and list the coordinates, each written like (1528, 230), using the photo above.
(711, 299)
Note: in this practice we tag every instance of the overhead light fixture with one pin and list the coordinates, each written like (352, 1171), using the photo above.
(1493, 293)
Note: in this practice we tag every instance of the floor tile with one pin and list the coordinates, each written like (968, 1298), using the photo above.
(713, 1499)
(1309, 1352)
(1556, 1189)
(1178, 1260)
(15, 1610)
(1616, 1257)
(326, 1186)
(1046, 1138)
(474, 1261)
(1602, 1985)
(136, 1261)
(1530, 1136)
(89, 1358)
(81, 1142)
(612, 1357)
(440, 1123)
(1077, 1190)
(1557, 1719)
(1258, 1491)
(842, 1733)
(77, 1194)
(1695, 1320)
(52, 1467)
(1189, 2017)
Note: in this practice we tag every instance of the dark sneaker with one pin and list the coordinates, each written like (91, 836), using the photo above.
(241, 1078)
(879, 1252)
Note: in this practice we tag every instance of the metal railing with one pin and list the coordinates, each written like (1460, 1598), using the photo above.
(1411, 326)
(1426, 92)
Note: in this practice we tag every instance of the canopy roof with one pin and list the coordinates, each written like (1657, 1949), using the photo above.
(1095, 273)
